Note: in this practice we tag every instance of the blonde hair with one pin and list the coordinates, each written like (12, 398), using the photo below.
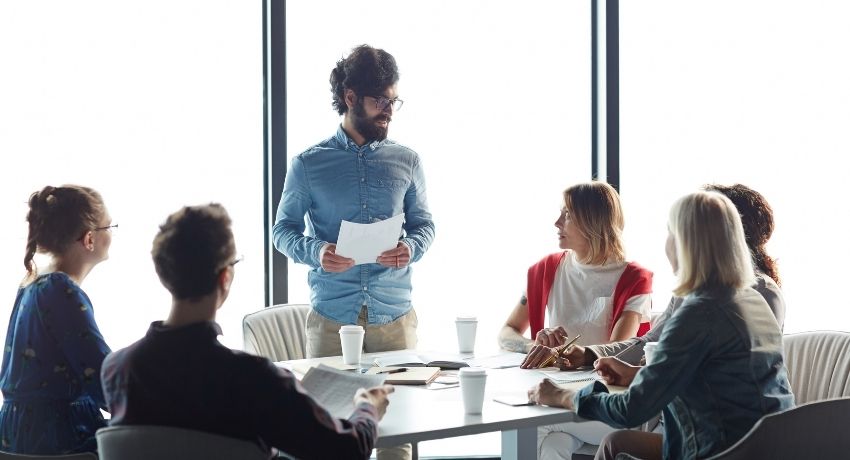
(711, 248)
(595, 209)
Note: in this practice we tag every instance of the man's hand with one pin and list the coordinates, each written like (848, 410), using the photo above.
(333, 263)
(615, 372)
(549, 394)
(376, 396)
(397, 257)
(551, 337)
(572, 358)
(536, 356)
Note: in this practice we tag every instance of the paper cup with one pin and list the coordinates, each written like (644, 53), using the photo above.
(649, 351)
(473, 380)
(351, 339)
(466, 326)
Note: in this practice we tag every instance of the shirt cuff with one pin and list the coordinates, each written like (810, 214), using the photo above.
(409, 248)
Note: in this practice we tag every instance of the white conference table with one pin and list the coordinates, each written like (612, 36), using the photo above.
(417, 414)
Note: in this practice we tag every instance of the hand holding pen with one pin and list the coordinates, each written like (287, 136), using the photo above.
(542, 356)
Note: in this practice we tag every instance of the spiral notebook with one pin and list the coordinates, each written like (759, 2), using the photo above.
(559, 376)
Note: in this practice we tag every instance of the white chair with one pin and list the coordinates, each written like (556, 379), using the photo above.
(818, 365)
(814, 430)
(83, 456)
(145, 442)
(277, 332)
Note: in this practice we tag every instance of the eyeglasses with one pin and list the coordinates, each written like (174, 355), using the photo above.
(108, 227)
(381, 103)
(236, 261)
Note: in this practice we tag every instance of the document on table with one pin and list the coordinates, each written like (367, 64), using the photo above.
(500, 361)
(559, 376)
(335, 389)
(365, 242)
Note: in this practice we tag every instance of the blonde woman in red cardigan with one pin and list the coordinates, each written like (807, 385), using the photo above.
(587, 288)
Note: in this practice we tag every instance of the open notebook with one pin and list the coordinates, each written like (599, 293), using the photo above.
(410, 376)
(421, 360)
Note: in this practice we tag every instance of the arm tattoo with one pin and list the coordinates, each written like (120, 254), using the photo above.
(515, 345)
(523, 300)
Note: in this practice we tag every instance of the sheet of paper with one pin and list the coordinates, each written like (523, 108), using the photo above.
(335, 389)
(500, 361)
(365, 242)
(559, 376)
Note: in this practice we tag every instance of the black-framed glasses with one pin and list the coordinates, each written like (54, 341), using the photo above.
(108, 227)
(381, 103)
(236, 261)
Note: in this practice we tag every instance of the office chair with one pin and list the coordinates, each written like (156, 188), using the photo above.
(277, 332)
(144, 442)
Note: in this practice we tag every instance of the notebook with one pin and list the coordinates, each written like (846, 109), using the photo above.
(421, 360)
(410, 376)
(559, 376)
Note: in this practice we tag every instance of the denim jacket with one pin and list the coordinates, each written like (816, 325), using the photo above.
(717, 369)
(338, 180)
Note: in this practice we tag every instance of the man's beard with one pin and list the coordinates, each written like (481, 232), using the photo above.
(366, 126)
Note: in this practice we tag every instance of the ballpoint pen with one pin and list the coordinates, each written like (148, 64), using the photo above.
(392, 371)
(559, 350)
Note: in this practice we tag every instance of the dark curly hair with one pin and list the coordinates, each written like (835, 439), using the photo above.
(192, 247)
(757, 218)
(368, 71)
(57, 217)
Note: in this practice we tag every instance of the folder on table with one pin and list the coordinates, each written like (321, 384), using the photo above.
(410, 376)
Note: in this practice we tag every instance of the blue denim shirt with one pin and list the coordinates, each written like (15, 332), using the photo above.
(717, 369)
(338, 180)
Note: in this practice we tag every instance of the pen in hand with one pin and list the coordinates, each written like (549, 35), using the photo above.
(559, 350)
(392, 371)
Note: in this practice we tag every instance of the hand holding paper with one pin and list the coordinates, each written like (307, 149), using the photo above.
(366, 242)
(395, 258)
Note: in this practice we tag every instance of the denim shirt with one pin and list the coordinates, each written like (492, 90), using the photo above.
(717, 369)
(337, 180)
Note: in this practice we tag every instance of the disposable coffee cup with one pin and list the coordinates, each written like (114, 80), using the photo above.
(649, 351)
(466, 326)
(473, 380)
(351, 339)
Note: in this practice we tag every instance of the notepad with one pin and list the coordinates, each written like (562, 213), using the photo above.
(559, 376)
(411, 376)
(420, 360)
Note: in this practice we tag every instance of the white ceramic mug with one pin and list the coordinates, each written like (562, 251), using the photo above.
(649, 351)
(351, 339)
(473, 380)
(466, 326)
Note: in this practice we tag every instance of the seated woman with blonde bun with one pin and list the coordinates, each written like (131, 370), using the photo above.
(587, 289)
(718, 366)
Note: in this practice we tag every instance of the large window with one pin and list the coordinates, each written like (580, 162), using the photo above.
(497, 104)
(156, 105)
(751, 92)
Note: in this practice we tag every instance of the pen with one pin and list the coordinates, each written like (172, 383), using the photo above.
(392, 371)
(559, 350)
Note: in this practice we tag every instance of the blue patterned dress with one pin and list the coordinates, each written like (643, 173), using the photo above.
(51, 370)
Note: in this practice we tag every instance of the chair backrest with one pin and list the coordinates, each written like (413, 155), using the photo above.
(814, 430)
(818, 365)
(145, 442)
(277, 332)
(83, 456)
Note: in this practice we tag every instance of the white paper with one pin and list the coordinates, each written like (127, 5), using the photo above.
(335, 389)
(500, 361)
(559, 376)
(365, 242)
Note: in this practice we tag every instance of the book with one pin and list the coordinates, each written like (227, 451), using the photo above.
(420, 360)
(409, 376)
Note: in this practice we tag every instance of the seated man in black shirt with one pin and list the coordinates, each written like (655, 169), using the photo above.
(180, 375)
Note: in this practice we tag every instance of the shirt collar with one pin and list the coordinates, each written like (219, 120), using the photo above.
(350, 145)
(203, 330)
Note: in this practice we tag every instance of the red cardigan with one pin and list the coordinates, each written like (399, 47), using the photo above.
(635, 280)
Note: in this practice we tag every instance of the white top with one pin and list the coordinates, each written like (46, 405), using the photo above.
(581, 299)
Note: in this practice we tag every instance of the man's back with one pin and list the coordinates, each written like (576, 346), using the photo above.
(184, 377)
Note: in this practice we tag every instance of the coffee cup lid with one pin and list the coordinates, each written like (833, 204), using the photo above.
(473, 371)
(466, 318)
(350, 328)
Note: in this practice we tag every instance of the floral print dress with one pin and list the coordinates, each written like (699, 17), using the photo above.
(50, 376)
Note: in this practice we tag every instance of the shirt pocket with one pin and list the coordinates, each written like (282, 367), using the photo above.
(599, 311)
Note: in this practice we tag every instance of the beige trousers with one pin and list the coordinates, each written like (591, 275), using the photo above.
(323, 340)
(636, 444)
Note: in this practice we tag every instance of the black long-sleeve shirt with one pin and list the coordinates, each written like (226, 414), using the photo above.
(184, 377)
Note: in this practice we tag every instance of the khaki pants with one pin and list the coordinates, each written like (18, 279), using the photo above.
(323, 334)
(630, 444)
(323, 340)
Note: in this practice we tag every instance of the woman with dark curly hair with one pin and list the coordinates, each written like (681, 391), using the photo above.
(54, 350)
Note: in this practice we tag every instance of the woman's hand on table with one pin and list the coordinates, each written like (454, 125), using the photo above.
(548, 394)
